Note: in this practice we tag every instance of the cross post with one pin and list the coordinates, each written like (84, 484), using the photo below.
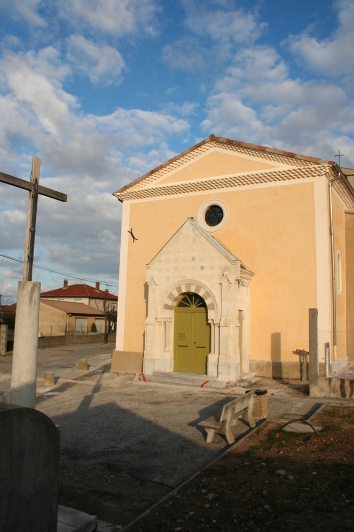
(25, 350)
(339, 155)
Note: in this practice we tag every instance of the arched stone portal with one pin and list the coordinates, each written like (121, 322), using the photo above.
(191, 344)
(218, 277)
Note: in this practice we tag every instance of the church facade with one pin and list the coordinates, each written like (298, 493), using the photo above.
(224, 249)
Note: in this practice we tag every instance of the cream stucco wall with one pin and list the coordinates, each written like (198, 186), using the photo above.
(349, 241)
(270, 228)
(212, 165)
(52, 321)
(339, 247)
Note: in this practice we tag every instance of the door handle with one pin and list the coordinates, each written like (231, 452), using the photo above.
(200, 346)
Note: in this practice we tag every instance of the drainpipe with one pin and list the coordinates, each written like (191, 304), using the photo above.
(334, 295)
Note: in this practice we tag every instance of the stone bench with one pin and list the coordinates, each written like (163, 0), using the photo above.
(240, 407)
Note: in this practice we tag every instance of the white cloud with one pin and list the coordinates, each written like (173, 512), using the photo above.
(217, 31)
(114, 17)
(137, 127)
(185, 54)
(228, 116)
(332, 56)
(186, 109)
(222, 25)
(35, 81)
(111, 16)
(108, 238)
(100, 63)
(26, 9)
(258, 101)
(8, 292)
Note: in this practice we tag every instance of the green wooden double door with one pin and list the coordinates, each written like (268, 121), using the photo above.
(191, 335)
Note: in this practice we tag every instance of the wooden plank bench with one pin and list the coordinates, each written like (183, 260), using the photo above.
(240, 407)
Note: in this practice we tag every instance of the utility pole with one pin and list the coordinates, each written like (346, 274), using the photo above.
(25, 351)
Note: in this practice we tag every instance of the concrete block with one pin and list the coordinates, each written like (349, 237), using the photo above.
(49, 379)
(83, 366)
(70, 520)
(127, 362)
(260, 410)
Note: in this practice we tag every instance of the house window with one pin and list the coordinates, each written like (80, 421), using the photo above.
(99, 325)
(339, 273)
(80, 325)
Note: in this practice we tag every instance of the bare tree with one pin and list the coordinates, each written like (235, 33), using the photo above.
(109, 309)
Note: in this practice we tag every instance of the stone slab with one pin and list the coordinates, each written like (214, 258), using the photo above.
(70, 520)
(185, 379)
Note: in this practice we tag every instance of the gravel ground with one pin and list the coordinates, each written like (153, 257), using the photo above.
(126, 444)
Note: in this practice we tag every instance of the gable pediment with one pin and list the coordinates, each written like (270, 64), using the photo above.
(192, 252)
(216, 163)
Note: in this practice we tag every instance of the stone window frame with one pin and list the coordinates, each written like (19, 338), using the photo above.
(201, 215)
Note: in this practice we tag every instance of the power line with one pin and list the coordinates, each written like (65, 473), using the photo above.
(61, 273)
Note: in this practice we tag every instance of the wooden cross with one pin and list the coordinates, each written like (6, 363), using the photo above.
(34, 189)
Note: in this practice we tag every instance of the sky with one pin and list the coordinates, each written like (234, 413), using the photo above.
(102, 91)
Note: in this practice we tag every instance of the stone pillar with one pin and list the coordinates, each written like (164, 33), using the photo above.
(212, 360)
(313, 346)
(25, 352)
(3, 339)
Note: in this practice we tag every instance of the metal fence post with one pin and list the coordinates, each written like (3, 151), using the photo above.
(313, 345)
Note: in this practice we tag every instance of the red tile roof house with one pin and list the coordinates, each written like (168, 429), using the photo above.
(58, 318)
(85, 294)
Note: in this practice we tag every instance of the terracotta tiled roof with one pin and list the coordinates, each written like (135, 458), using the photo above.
(235, 145)
(73, 308)
(79, 290)
(347, 171)
(8, 308)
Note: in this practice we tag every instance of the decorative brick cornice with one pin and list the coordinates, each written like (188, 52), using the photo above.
(245, 148)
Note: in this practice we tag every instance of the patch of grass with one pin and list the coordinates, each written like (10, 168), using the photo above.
(255, 449)
(281, 437)
(331, 427)
(330, 412)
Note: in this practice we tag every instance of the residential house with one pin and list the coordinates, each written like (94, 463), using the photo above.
(88, 295)
(57, 318)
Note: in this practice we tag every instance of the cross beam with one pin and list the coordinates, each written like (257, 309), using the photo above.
(27, 185)
(34, 189)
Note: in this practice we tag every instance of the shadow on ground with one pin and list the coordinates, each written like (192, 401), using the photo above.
(117, 461)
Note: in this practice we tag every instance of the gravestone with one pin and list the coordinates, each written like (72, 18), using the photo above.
(29, 462)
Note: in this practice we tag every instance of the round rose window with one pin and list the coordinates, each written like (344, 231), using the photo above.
(214, 215)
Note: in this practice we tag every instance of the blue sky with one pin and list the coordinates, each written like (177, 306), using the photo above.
(105, 90)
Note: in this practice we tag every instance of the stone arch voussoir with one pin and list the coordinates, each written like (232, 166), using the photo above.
(190, 286)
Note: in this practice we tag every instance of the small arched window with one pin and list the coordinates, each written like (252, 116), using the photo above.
(339, 273)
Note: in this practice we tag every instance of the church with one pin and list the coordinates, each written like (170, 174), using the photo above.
(224, 249)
